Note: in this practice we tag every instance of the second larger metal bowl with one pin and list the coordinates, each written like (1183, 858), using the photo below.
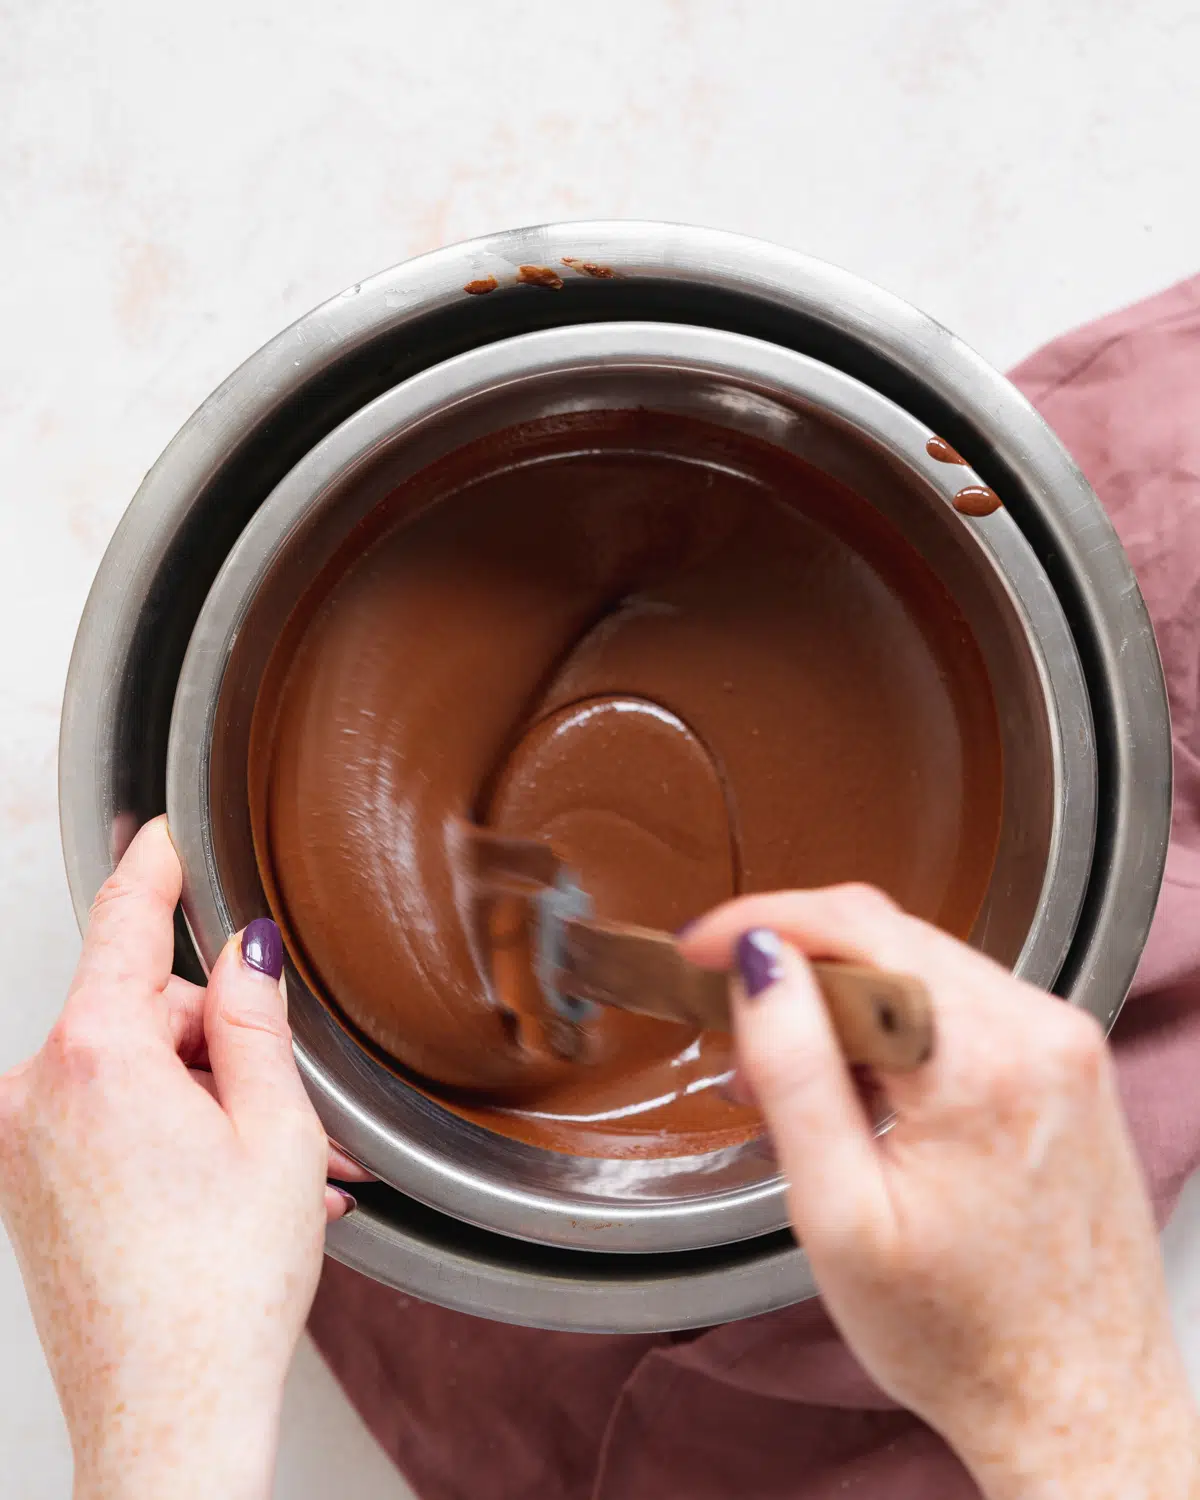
(217, 472)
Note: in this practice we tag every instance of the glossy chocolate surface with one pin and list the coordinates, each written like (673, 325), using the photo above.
(689, 661)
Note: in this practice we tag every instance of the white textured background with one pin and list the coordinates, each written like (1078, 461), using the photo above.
(179, 181)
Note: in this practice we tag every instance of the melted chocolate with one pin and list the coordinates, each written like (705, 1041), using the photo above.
(690, 662)
(589, 268)
(976, 500)
(940, 449)
(539, 276)
(972, 499)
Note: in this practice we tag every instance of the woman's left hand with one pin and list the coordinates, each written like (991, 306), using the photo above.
(163, 1178)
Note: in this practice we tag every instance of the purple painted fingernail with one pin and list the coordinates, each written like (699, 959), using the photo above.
(349, 1199)
(759, 953)
(262, 947)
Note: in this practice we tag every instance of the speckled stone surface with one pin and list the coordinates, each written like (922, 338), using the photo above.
(177, 183)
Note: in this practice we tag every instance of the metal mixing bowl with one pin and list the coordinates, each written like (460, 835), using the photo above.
(833, 422)
(201, 494)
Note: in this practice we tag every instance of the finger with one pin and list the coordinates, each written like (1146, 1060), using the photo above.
(983, 1017)
(129, 945)
(204, 1079)
(343, 1168)
(246, 1027)
(855, 924)
(340, 1167)
(338, 1203)
(739, 1090)
(850, 923)
(185, 1019)
(792, 1061)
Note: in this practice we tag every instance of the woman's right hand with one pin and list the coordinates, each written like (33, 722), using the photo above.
(992, 1258)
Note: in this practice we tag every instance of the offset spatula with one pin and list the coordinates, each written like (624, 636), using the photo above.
(881, 1019)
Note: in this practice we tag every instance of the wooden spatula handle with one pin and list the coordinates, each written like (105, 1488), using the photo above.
(882, 1020)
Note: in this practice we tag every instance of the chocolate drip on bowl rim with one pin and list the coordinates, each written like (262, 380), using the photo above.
(1056, 573)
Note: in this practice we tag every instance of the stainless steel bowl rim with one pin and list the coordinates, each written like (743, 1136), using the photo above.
(647, 1294)
(856, 321)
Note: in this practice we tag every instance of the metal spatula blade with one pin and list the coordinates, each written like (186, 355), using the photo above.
(578, 962)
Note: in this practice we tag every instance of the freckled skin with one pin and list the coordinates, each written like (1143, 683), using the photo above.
(992, 1259)
(170, 1244)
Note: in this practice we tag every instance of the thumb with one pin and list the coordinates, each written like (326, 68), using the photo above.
(246, 1027)
(791, 1057)
(127, 951)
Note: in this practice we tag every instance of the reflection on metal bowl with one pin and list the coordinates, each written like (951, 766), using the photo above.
(260, 486)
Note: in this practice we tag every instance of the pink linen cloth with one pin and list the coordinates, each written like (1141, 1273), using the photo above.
(775, 1407)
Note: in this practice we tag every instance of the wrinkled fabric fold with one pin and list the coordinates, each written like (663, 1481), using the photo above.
(776, 1407)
